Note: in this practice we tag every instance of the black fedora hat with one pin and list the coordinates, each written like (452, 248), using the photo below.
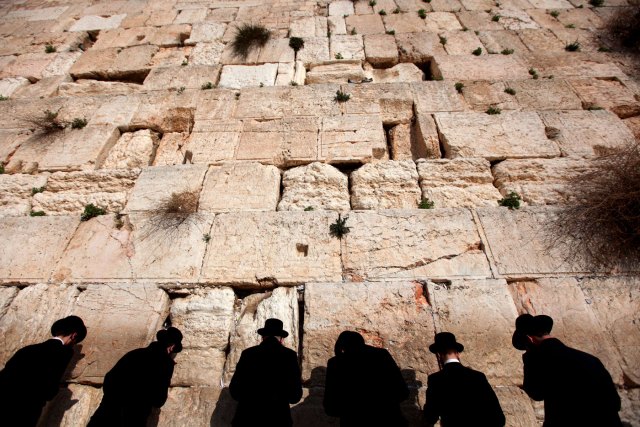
(170, 336)
(273, 328)
(445, 341)
(527, 324)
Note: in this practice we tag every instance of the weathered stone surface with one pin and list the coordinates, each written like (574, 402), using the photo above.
(442, 21)
(318, 185)
(33, 245)
(240, 187)
(205, 32)
(538, 181)
(171, 149)
(348, 46)
(83, 87)
(615, 302)
(545, 95)
(364, 24)
(352, 138)
(587, 133)
(316, 51)
(458, 42)
(506, 231)
(391, 315)
(156, 184)
(239, 76)
(403, 23)
(92, 23)
(426, 141)
(340, 8)
(611, 94)
(457, 183)
(400, 142)
(67, 193)
(484, 67)
(398, 73)
(200, 401)
(487, 340)
(192, 77)
(419, 47)
(29, 317)
(42, 14)
(201, 367)
(7, 294)
(633, 124)
(335, 73)
(164, 113)
(131, 64)
(441, 243)
(310, 411)
(576, 65)
(9, 85)
(381, 50)
(30, 66)
(516, 406)
(385, 185)
(61, 64)
(430, 97)
(630, 412)
(252, 312)
(309, 26)
(497, 41)
(15, 192)
(133, 150)
(73, 405)
(494, 137)
(119, 317)
(575, 323)
(262, 249)
(206, 54)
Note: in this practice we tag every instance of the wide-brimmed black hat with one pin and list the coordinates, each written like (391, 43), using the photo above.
(445, 341)
(170, 336)
(69, 325)
(273, 328)
(527, 324)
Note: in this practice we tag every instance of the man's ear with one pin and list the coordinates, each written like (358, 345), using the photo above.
(73, 337)
(171, 348)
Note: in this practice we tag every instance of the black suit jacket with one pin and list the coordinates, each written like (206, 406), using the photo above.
(575, 386)
(461, 397)
(136, 384)
(365, 388)
(30, 378)
(267, 379)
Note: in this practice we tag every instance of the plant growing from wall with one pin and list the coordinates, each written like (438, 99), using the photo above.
(206, 86)
(46, 123)
(339, 228)
(91, 211)
(510, 91)
(171, 213)
(477, 52)
(459, 86)
(426, 204)
(511, 201)
(78, 123)
(507, 51)
(296, 43)
(248, 37)
(492, 110)
(49, 48)
(572, 47)
(36, 190)
(37, 213)
(342, 96)
(422, 14)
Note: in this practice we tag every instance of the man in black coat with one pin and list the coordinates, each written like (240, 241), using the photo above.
(138, 383)
(32, 376)
(266, 380)
(576, 387)
(458, 395)
(364, 386)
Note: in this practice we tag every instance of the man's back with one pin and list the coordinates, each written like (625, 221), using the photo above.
(575, 386)
(266, 380)
(462, 397)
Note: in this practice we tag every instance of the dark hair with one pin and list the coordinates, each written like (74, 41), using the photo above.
(69, 325)
(348, 341)
(170, 336)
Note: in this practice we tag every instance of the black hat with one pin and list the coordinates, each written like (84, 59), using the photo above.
(273, 328)
(69, 325)
(445, 341)
(170, 336)
(527, 324)
(348, 341)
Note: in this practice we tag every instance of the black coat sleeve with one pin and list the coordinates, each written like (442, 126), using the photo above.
(238, 384)
(160, 389)
(332, 390)
(432, 407)
(533, 375)
(54, 369)
(294, 386)
(495, 416)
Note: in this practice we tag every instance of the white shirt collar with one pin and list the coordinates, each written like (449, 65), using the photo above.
(451, 361)
(59, 339)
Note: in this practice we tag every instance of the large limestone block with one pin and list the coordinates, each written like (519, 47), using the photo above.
(394, 106)
(576, 65)
(191, 77)
(341, 8)
(630, 412)
(33, 245)
(205, 32)
(392, 315)
(539, 181)
(385, 185)
(103, 251)
(205, 318)
(239, 76)
(309, 26)
(340, 72)
(435, 96)
(611, 94)
(484, 67)
(442, 21)
(133, 150)
(587, 133)
(403, 23)
(486, 338)
(348, 46)
(73, 405)
(416, 244)
(458, 183)
(201, 367)
(15, 192)
(494, 137)
(11, 84)
(381, 50)
(156, 184)
(29, 317)
(260, 249)
(398, 73)
(200, 401)
(316, 51)
(129, 64)
(165, 112)
(67, 193)
(280, 142)
(286, 101)
(61, 64)
(119, 317)
(458, 42)
(250, 315)
(425, 139)
(240, 187)
(7, 294)
(545, 94)
(309, 412)
(117, 110)
(574, 321)
(206, 54)
(516, 406)
(352, 139)
(365, 24)
(418, 47)
(318, 185)
(30, 66)
(92, 23)
(42, 14)
(616, 304)
(520, 246)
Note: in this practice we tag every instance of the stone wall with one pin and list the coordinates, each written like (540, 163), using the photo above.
(269, 159)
